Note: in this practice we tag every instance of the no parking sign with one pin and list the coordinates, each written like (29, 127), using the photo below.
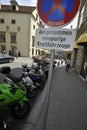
(57, 12)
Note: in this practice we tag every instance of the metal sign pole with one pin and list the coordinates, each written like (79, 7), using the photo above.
(48, 90)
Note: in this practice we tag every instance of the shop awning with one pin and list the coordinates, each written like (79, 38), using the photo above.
(75, 45)
(82, 40)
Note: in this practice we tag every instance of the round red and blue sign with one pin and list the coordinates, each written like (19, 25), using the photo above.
(57, 12)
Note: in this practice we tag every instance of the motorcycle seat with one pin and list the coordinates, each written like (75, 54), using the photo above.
(14, 78)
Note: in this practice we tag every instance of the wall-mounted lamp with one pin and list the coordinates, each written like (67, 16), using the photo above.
(7, 27)
(19, 29)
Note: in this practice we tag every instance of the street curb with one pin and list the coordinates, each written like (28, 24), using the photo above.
(82, 78)
(31, 122)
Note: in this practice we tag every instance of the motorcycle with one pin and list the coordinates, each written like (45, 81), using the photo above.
(35, 75)
(14, 98)
(30, 87)
(27, 82)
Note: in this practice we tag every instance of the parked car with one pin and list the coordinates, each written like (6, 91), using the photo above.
(36, 58)
(5, 58)
(40, 58)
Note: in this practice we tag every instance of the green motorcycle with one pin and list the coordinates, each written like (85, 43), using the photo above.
(14, 97)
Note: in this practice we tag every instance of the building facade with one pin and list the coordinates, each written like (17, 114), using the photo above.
(79, 55)
(17, 29)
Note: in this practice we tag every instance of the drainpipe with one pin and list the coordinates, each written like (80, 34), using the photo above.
(29, 36)
(78, 19)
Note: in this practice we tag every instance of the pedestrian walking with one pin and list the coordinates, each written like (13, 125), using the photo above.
(68, 62)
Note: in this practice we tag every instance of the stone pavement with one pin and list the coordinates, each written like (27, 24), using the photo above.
(18, 62)
(68, 103)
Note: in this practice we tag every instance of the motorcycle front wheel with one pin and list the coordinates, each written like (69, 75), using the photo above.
(31, 93)
(42, 85)
(18, 112)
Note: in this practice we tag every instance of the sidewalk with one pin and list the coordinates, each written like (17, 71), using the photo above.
(68, 103)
